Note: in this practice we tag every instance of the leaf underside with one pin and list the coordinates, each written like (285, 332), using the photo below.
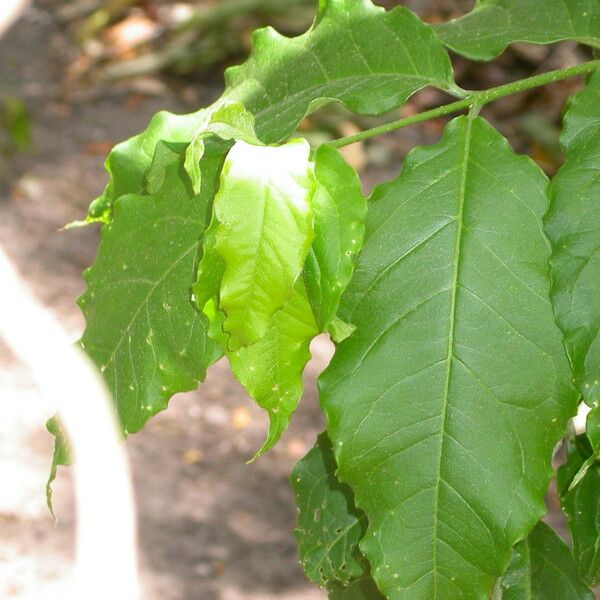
(492, 25)
(573, 226)
(446, 403)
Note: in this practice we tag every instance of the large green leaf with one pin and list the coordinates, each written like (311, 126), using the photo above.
(446, 403)
(142, 329)
(329, 524)
(542, 568)
(492, 25)
(264, 232)
(340, 210)
(581, 504)
(355, 53)
(573, 225)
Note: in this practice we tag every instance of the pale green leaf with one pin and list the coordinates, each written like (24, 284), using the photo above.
(329, 524)
(271, 368)
(265, 229)
(492, 25)
(445, 405)
(60, 457)
(231, 121)
(573, 226)
(542, 568)
(355, 53)
(142, 329)
(340, 330)
(581, 504)
(340, 210)
(210, 270)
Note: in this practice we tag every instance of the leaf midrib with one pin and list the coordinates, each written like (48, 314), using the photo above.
(450, 352)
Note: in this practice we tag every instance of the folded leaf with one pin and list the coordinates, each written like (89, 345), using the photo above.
(265, 229)
(573, 226)
(581, 504)
(340, 210)
(142, 329)
(231, 121)
(444, 406)
(329, 524)
(542, 568)
(492, 25)
(128, 162)
(271, 368)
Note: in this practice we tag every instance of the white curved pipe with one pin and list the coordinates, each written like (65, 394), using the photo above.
(9, 11)
(106, 562)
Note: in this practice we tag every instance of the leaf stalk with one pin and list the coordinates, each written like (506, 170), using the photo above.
(476, 98)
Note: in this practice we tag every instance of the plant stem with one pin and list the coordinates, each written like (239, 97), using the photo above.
(479, 98)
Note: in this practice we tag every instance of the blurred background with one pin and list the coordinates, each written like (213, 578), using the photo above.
(78, 76)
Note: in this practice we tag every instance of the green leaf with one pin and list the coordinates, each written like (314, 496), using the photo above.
(593, 435)
(271, 369)
(542, 568)
(362, 588)
(355, 53)
(329, 524)
(593, 429)
(340, 210)
(142, 329)
(229, 122)
(128, 162)
(60, 457)
(573, 226)
(446, 403)
(492, 25)
(581, 504)
(265, 229)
